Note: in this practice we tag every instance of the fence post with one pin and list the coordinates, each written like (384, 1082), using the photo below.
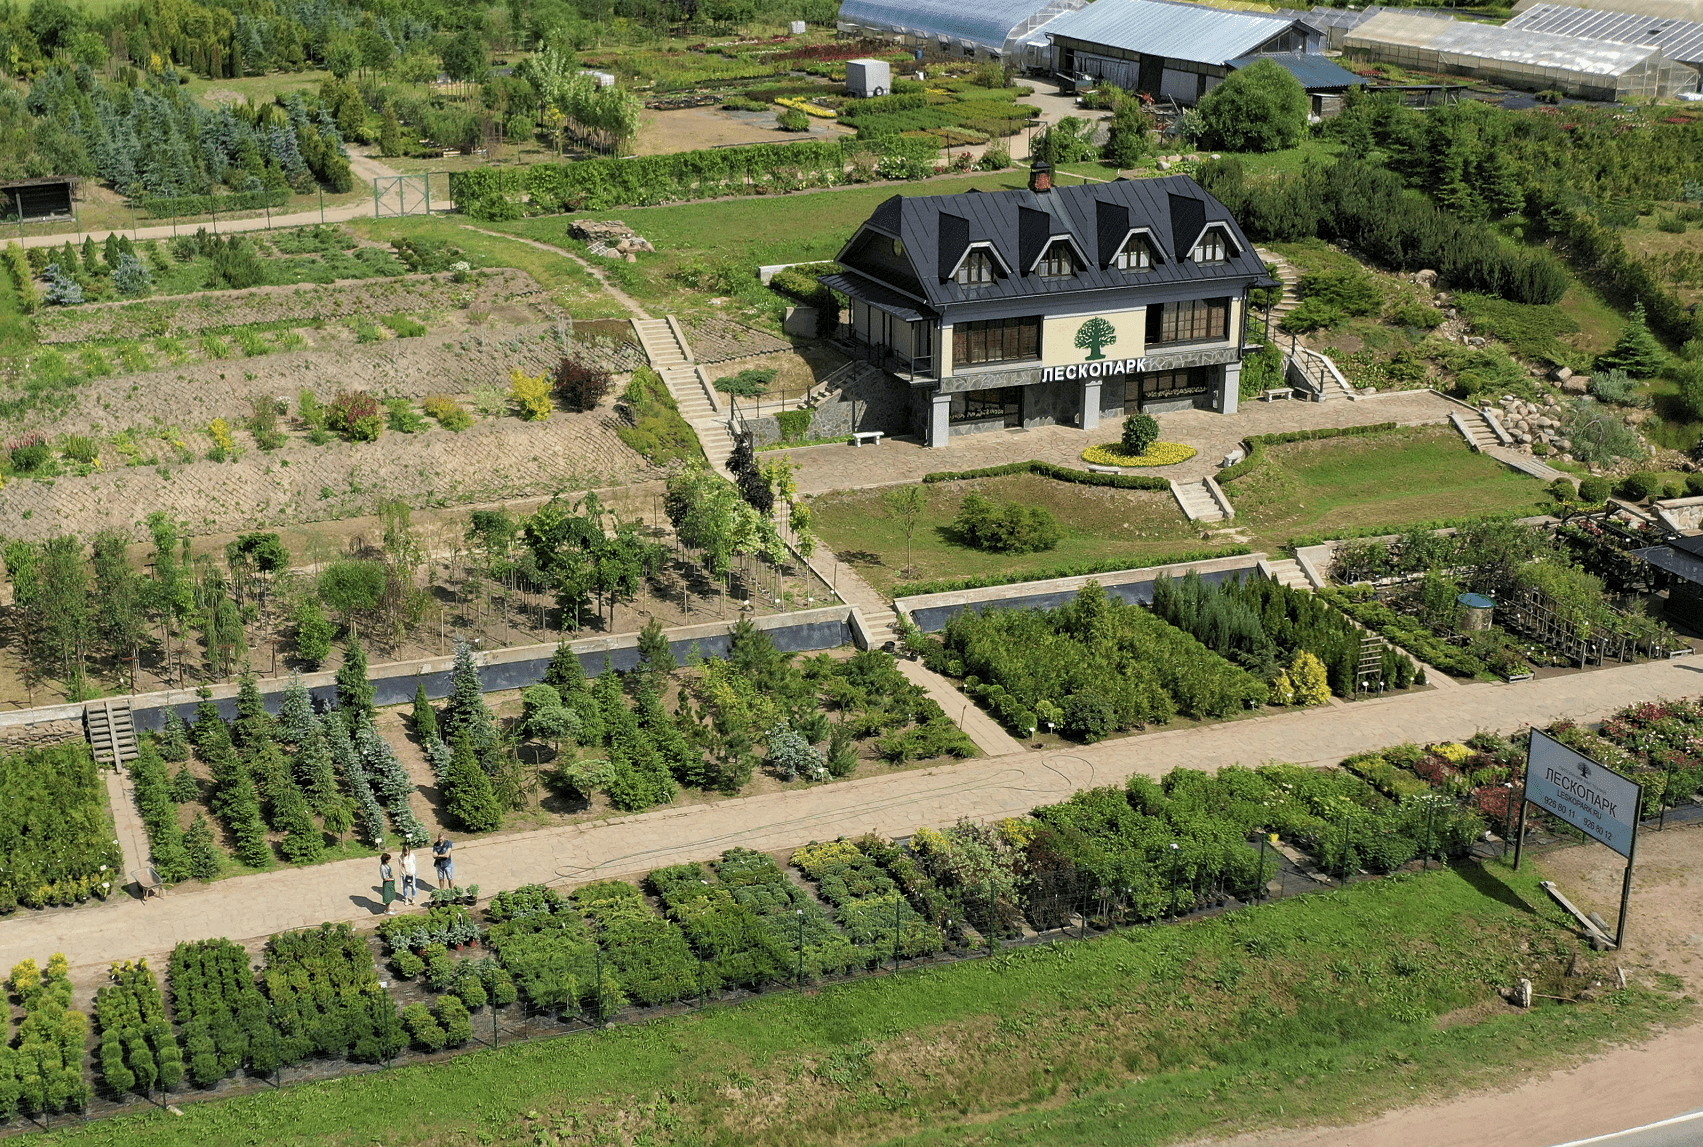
(322, 206)
(1346, 827)
(898, 925)
(598, 953)
(1430, 811)
(800, 912)
(495, 1038)
(1259, 886)
(993, 936)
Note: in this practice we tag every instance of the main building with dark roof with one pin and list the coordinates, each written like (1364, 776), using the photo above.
(1052, 305)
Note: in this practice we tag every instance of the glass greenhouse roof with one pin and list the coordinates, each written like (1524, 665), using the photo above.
(1671, 9)
(989, 23)
(1678, 39)
(1527, 50)
(1176, 31)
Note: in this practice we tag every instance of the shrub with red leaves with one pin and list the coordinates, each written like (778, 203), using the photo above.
(354, 415)
(579, 385)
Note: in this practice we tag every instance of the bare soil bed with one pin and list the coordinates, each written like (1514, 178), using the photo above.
(496, 459)
(724, 341)
(189, 314)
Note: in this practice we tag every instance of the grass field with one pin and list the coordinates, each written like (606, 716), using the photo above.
(1412, 475)
(1387, 480)
(1316, 1009)
(1101, 524)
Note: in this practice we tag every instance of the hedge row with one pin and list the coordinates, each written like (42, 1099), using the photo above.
(1082, 569)
(1256, 444)
(644, 181)
(1057, 473)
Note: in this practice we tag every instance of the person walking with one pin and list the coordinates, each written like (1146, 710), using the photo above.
(443, 861)
(410, 879)
(387, 884)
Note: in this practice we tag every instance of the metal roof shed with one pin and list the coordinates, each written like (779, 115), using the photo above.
(1680, 40)
(1172, 50)
(1533, 61)
(1316, 73)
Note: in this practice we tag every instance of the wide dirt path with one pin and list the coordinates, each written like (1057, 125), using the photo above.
(250, 907)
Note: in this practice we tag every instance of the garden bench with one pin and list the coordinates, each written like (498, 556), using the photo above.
(1278, 392)
(1097, 468)
(870, 437)
(150, 883)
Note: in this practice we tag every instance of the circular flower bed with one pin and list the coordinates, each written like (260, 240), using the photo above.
(1158, 454)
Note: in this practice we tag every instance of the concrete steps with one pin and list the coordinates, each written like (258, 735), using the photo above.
(1291, 280)
(1287, 571)
(1475, 428)
(111, 733)
(665, 346)
(1202, 500)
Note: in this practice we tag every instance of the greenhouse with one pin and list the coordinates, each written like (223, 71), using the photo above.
(1670, 9)
(1680, 40)
(1527, 60)
(997, 29)
(1338, 22)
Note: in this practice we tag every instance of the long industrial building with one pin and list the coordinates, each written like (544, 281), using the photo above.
(1170, 50)
(1007, 30)
(1520, 58)
(1680, 40)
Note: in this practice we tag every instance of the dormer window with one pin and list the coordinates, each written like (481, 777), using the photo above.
(1213, 247)
(976, 268)
(1137, 255)
(1059, 262)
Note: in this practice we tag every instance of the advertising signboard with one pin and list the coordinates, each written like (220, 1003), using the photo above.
(1600, 803)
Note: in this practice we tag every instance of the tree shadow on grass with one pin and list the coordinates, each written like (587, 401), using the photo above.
(1490, 884)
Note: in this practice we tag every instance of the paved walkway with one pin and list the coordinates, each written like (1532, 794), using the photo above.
(248, 908)
(822, 469)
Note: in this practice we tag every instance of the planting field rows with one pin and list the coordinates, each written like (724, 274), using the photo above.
(492, 461)
(189, 396)
(190, 314)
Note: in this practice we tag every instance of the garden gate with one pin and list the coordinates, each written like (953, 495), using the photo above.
(398, 195)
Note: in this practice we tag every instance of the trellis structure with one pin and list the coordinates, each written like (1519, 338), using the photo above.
(1530, 612)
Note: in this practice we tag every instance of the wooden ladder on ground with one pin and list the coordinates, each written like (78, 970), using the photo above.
(111, 732)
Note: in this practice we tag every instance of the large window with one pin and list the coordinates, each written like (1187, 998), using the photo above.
(1137, 255)
(1159, 386)
(1212, 248)
(1004, 405)
(996, 340)
(1200, 320)
(977, 267)
(1059, 262)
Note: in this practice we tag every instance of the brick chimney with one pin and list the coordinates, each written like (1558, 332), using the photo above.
(1040, 176)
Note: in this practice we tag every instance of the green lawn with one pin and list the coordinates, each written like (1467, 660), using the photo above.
(1101, 524)
(1409, 476)
(1388, 480)
(1315, 1010)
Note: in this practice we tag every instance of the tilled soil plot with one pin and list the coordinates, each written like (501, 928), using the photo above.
(496, 459)
(191, 395)
(190, 314)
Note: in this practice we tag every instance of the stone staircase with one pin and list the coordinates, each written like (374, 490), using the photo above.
(665, 346)
(1288, 572)
(1202, 500)
(1291, 280)
(111, 732)
(1481, 431)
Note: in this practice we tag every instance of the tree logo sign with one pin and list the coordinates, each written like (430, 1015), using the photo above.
(1094, 335)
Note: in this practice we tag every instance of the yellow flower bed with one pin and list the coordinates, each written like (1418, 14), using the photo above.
(1158, 454)
(807, 107)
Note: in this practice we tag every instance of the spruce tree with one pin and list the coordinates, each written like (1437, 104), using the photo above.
(302, 842)
(354, 691)
(204, 863)
(425, 717)
(314, 773)
(390, 133)
(211, 735)
(183, 786)
(1636, 351)
(655, 654)
(91, 255)
(470, 799)
(174, 738)
(254, 725)
(465, 712)
(296, 719)
(564, 672)
(68, 261)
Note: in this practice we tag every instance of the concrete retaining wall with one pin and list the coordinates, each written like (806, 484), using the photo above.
(395, 682)
(932, 611)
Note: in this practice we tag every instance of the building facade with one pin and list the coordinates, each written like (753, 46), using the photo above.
(1051, 306)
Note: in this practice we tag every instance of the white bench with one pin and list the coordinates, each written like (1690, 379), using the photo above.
(867, 437)
(1278, 392)
(1096, 468)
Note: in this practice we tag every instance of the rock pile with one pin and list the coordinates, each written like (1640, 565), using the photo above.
(610, 238)
(1528, 423)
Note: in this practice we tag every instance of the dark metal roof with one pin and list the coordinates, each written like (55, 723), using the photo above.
(1686, 566)
(868, 291)
(1314, 71)
(1172, 211)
